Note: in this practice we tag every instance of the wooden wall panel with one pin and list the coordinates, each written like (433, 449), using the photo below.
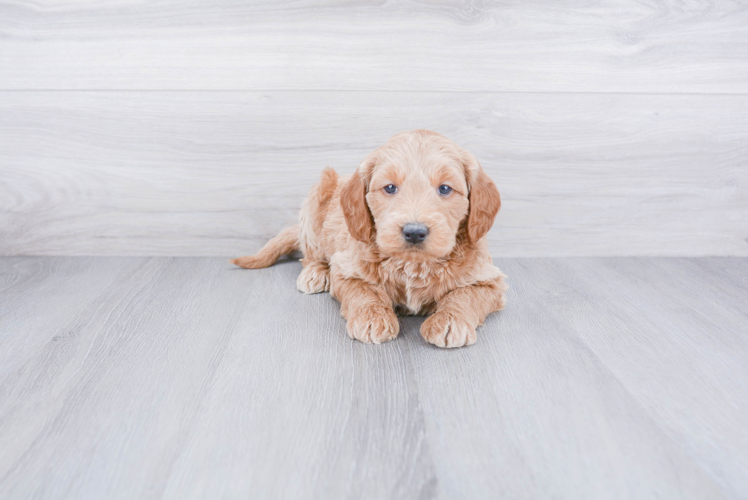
(607, 46)
(217, 173)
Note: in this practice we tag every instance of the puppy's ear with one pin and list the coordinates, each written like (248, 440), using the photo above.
(355, 209)
(485, 200)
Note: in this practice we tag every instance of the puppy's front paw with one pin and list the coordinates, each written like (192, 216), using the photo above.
(314, 278)
(373, 325)
(446, 329)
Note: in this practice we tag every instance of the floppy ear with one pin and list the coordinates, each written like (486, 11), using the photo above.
(353, 201)
(485, 202)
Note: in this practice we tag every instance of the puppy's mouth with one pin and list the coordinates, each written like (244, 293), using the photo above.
(414, 248)
(420, 252)
(409, 252)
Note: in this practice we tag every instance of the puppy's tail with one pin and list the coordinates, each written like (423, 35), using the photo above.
(286, 242)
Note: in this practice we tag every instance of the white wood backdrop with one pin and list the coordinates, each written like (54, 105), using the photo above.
(195, 128)
(467, 45)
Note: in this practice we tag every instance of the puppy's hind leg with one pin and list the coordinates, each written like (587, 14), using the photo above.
(315, 277)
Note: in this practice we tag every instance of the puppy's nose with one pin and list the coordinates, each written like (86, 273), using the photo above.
(415, 232)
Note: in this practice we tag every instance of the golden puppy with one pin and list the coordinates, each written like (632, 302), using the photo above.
(405, 231)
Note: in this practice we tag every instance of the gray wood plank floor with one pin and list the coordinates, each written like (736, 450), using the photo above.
(188, 378)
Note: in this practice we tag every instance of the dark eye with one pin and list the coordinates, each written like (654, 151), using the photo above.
(390, 189)
(444, 190)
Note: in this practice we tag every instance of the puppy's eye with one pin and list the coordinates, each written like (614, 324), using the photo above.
(444, 190)
(390, 189)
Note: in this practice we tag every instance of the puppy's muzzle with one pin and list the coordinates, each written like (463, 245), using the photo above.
(415, 232)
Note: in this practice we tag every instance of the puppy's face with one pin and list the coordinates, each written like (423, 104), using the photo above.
(417, 200)
(411, 195)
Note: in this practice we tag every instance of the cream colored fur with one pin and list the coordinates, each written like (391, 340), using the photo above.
(350, 232)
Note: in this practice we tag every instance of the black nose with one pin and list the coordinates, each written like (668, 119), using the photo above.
(415, 233)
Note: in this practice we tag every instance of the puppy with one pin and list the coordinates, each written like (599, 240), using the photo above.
(405, 232)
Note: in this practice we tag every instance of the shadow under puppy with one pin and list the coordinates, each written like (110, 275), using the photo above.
(406, 231)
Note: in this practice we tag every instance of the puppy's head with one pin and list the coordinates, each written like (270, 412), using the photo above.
(411, 196)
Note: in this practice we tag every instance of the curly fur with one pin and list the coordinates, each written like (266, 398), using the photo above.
(350, 232)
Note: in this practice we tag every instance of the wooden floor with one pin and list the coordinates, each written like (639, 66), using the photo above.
(189, 378)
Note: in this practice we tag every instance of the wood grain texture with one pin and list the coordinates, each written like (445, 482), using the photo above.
(710, 340)
(185, 378)
(218, 173)
(607, 46)
(562, 423)
(177, 385)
